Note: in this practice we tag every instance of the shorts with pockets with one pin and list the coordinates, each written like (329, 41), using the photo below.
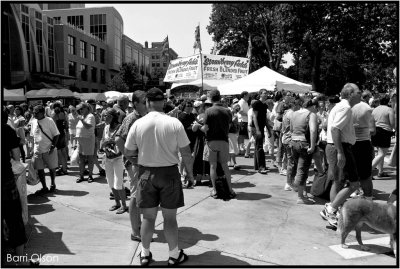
(43, 160)
(159, 186)
(216, 151)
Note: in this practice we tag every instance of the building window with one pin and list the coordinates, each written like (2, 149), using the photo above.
(128, 54)
(57, 20)
(50, 43)
(117, 41)
(76, 21)
(158, 57)
(83, 46)
(102, 56)
(71, 45)
(164, 64)
(157, 64)
(50, 21)
(84, 72)
(153, 57)
(38, 15)
(93, 53)
(94, 74)
(153, 64)
(72, 69)
(98, 25)
(25, 29)
(39, 41)
(25, 9)
(103, 76)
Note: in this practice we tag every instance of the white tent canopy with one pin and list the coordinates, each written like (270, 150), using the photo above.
(264, 78)
(208, 84)
(14, 95)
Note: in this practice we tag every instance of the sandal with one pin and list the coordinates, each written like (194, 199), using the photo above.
(52, 188)
(122, 210)
(136, 238)
(214, 195)
(383, 174)
(114, 207)
(90, 179)
(145, 261)
(181, 259)
(232, 195)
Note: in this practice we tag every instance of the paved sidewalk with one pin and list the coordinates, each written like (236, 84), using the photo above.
(262, 226)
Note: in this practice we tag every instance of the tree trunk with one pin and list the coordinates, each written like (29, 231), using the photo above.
(316, 69)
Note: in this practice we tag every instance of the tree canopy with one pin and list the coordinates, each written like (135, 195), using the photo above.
(332, 43)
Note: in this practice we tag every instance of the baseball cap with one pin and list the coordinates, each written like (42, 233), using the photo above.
(197, 103)
(91, 101)
(203, 97)
(235, 101)
(155, 94)
(99, 107)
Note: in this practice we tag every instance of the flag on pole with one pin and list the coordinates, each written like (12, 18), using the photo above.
(214, 49)
(165, 48)
(197, 43)
(249, 48)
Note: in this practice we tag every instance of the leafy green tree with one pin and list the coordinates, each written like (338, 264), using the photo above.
(117, 84)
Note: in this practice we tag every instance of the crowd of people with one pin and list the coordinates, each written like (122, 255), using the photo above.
(165, 145)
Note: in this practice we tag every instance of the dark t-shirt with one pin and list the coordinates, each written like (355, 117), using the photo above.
(261, 109)
(218, 119)
(7, 176)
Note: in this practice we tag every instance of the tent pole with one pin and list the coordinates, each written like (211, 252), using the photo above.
(201, 66)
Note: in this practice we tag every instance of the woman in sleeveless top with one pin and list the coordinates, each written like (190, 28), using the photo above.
(303, 126)
(114, 165)
(60, 120)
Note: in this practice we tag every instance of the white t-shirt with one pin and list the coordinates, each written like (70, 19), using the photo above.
(41, 142)
(157, 137)
(82, 131)
(244, 108)
(341, 117)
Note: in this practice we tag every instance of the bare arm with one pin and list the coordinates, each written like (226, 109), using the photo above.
(16, 154)
(187, 160)
(313, 132)
(391, 119)
(337, 140)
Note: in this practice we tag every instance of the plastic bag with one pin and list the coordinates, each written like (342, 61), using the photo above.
(21, 186)
(32, 178)
(18, 167)
(75, 157)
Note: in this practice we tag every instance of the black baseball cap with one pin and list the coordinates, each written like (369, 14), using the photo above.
(155, 94)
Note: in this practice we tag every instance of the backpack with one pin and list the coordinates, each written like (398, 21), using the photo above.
(321, 186)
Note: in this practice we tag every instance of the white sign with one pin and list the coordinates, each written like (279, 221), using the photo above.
(222, 67)
(183, 69)
(213, 67)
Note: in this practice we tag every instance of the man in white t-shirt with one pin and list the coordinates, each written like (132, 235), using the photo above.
(156, 139)
(45, 136)
(243, 122)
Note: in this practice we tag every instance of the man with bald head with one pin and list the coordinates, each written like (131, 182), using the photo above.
(342, 164)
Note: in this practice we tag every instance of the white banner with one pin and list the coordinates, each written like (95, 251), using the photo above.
(222, 67)
(183, 69)
(215, 67)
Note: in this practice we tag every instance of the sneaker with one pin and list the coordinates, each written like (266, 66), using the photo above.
(332, 218)
(80, 179)
(305, 201)
(283, 172)
(90, 179)
(42, 191)
(324, 212)
(288, 187)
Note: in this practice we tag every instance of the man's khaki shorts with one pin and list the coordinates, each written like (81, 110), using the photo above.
(43, 160)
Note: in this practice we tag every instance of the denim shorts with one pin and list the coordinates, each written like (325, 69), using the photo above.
(159, 186)
(349, 172)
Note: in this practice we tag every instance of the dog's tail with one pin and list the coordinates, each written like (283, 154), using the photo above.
(341, 220)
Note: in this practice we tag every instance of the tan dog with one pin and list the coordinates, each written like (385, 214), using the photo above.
(381, 217)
